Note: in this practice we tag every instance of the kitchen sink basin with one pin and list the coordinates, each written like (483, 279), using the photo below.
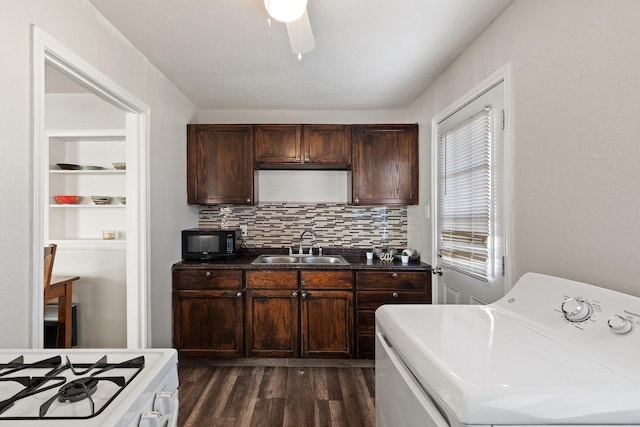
(301, 259)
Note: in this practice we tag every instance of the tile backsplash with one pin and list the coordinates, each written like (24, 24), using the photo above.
(333, 224)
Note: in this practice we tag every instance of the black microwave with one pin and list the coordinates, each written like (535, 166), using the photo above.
(207, 244)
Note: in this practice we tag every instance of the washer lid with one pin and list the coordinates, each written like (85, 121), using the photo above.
(487, 368)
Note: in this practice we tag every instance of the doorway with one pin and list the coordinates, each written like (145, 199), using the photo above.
(470, 193)
(130, 142)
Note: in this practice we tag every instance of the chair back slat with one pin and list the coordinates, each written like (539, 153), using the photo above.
(49, 257)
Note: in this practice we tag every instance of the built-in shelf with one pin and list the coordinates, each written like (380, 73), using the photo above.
(83, 205)
(88, 172)
(83, 223)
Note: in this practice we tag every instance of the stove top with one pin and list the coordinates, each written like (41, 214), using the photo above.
(75, 384)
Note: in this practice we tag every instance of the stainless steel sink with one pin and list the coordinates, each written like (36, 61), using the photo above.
(300, 259)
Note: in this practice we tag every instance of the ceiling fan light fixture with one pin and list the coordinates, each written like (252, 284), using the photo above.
(285, 10)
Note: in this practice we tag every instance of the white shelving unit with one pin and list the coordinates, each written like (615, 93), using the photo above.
(84, 223)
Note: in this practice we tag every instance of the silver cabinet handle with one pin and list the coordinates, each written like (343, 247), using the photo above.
(208, 274)
(239, 294)
(294, 294)
(306, 159)
(304, 295)
(248, 200)
(395, 295)
(394, 275)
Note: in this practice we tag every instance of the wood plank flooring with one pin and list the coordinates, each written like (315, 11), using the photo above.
(287, 394)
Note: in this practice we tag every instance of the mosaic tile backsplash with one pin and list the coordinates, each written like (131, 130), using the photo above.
(334, 225)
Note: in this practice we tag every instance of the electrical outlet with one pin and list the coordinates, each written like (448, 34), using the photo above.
(243, 231)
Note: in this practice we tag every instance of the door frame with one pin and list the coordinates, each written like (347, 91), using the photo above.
(503, 74)
(48, 50)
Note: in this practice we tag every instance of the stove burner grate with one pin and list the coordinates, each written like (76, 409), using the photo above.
(68, 389)
(77, 390)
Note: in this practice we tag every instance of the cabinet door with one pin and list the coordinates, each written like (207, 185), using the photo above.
(220, 164)
(208, 323)
(385, 165)
(278, 144)
(327, 325)
(272, 323)
(327, 145)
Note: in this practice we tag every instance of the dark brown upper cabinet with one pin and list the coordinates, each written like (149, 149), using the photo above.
(220, 165)
(302, 147)
(385, 164)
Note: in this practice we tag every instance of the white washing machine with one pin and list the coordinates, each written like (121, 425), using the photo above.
(552, 352)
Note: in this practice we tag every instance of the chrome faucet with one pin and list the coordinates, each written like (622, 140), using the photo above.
(313, 241)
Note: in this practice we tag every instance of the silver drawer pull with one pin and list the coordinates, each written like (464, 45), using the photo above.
(239, 294)
(294, 294)
(208, 274)
(394, 275)
(395, 295)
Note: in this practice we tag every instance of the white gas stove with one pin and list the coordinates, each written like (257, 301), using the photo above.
(551, 352)
(77, 387)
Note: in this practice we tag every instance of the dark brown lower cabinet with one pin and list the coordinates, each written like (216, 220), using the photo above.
(208, 312)
(375, 288)
(308, 314)
(272, 323)
(285, 313)
(326, 323)
(209, 323)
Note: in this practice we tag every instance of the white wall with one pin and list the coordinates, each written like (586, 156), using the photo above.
(576, 156)
(80, 111)
(77, 25)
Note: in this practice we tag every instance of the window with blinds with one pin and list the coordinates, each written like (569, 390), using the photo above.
(465, 196)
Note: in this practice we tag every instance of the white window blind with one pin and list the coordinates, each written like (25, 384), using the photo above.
(465, 196)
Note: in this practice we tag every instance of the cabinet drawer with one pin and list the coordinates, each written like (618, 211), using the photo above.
(366, 321)
(326, 279)
(392, 280)
(272, 279)
(207, 279)
(370, 300)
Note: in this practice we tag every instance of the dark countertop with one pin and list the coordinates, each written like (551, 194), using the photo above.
(355, 257)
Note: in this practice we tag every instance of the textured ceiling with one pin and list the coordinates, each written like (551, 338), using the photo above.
(369, 54)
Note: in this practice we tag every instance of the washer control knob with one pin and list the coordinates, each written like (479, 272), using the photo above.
(619, 324)
(576, 310)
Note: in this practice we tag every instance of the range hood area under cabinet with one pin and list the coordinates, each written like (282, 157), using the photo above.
(222, 160)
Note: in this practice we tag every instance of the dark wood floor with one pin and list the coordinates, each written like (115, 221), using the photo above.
(284, 395)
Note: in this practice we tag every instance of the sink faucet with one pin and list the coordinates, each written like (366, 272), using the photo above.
(313, 241)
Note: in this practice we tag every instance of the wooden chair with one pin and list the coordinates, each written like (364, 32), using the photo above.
(49, 257)
(61, 289)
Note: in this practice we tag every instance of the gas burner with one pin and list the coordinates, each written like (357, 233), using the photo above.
(77, 390)
(63, 382)
(81, 387)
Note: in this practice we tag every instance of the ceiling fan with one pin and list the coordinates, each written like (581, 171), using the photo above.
(294, 14)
